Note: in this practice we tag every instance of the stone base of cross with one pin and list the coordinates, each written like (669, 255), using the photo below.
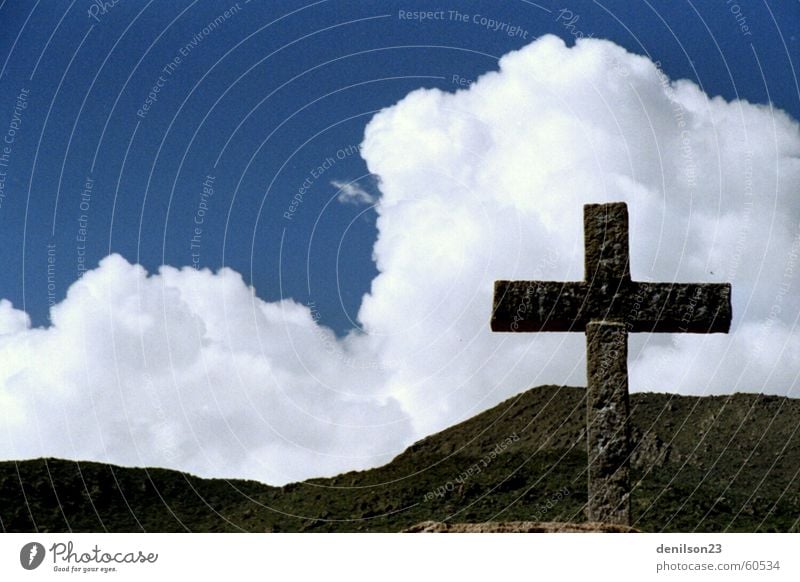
(607, 305)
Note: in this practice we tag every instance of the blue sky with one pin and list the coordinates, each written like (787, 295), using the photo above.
(267, 97)
(369, 166)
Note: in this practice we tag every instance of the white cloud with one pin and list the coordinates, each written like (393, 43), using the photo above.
(489, 183)
(352, 193)
(12, 320)
(189, 369)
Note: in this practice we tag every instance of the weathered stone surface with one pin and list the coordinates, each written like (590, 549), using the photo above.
(605, 228)
(607, 305)
(608, 436)
(539, 306)
(642, 307)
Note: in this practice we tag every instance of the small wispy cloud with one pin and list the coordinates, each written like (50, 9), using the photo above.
(352, 193)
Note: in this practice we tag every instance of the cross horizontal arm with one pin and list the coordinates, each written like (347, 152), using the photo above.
(679, 307)
(538, 306)
(641, 307)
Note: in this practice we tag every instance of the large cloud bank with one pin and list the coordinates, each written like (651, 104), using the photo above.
(189, 369)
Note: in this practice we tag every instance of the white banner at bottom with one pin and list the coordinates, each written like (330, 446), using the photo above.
(410, 557)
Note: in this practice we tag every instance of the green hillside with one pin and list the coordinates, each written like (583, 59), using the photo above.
(719, 463)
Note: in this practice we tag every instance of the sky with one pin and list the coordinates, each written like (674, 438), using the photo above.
(258, 239)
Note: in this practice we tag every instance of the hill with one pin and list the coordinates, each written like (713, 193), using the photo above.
(714, 463)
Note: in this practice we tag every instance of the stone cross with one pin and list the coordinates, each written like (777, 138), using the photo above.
(607, 305)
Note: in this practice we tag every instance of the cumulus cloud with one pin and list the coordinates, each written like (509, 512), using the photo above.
(489, 182)
(352, 193)
(189, 369)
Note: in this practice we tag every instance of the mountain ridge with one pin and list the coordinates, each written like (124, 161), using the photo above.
(700, 463)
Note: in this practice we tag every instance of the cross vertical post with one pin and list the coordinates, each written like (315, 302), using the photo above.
(607, 431)
(607, 271)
